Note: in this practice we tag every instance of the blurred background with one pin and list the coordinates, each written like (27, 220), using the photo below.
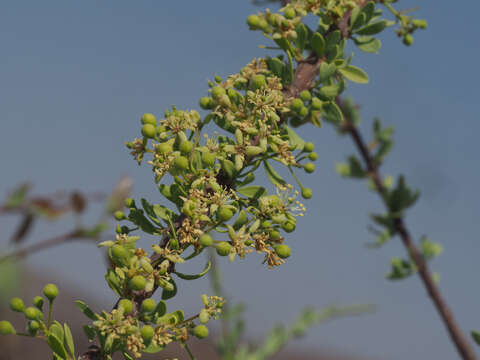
(77, 76)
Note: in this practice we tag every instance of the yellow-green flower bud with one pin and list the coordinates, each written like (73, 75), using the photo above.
(126, 305)
(223, 248)
(181, 162)
(305, 95)
(149, 131)
(38, 302)
(309, 167)
(6, 328)
(147, 332)
(138, 283)
(205, 240)
(290, 13)
(207, 103)
(307, 193)
(200, 331)
(296, 105)
(289, 226)
(50, 291)
(283, 251)
(119, 215)
(253, 22)
(317, 104)
(32, 313)
(218, 92)
(148, 305)
(185, 147)
(204, 316)
(408, 39)
(258, 81)
(208, 158)
(149, 119)
(16, 304)
(313, 156)
(308, 147)
(224, 213)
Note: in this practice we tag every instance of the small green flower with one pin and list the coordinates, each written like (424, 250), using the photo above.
(224, 213)
(119, 215)
(207, 103)
(253, 22)
(32, 313)
(296, 105)
(38, 302)
(208, 159)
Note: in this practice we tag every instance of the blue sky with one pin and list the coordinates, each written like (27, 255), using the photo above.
(76, 77)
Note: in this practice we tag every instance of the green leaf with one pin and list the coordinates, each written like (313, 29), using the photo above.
(368, 44)
(18, 196)
(329, 91)
(86, 310)
(69, 340)
(153, 349)
(332, 40)
(160, 309)
(476, 336)
(369, 11)
(150, 212)
(276, 66)
(302, 34)
(294, 139)
(57, 329)
(136, 216)
(373, 28)
(326, 71)
(318, 44)
(57, 346)
(273, 176)
(195, 276)
(241, 220)
(401, 269)
(229, 168)
(109, 343)
(127, 356)
(166, 294)
(89, 332)
(354, 74)
(252, 191)
(429, 248)
(332, 113)
(163, 212)
(114, 282)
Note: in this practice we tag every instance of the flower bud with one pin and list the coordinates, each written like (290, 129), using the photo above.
(207, 103)
(6, 328)
(258, 81)
(290, 13)
(200, 331)
(118, 253)
(253, 22)
(149, 119)
(138, 283)
(147, 332)
(303, 111)
(317, 104)
(296, 105)
(253, 150)
(218, 92)
(148, 305)
(119, 215)
(126, 305)
(283, 251)
(309, 167)
(181, 163)
(205, 240)
(38, 302)
(50, 291)
(16, 304)
(33, 327)
(224, 213)
(204, 316)
(185, 147)
(164, 148)
(313, 156)
(32, 313)
(208, 158)
(223, 248)
(289, 226)
(148, 130)
(420, 23)
(305, 95)
(408, 40)
(307, 193)
(308, 147)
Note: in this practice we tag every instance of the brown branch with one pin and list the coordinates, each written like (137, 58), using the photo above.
(456, 334)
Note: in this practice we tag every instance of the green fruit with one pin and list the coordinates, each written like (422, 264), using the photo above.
(218, 79)
(6, 328)
(303, 111)
(185, 147)
(207, 103)
(253, 21)
(266, 224)
(119, 215)
(129, 202)
(420, 23)
(148, 130)
(308, 147)
(283, 251)
(223, 248)
(126, 305)
(149, 119)
(313, 156)
(408, 40)
(200, 331)
(32, 313)
(263, 25)
(275, 235)
(148, 305)
(38, 302)
(164, 148)
(218, 92)
(118, 252)
(290, 13)
(161, 129)
(258, 81)
(50, 291)
(224, 213)
(205, 240)
(138, 283)
(147, 332)
(309, 167)
(307, 193)
(296, 105)
(289, 226)
(33, 327)
(305, 95)
(16, 304)
(208, 158)
(204, 316)
(181, 163)
(317, 104)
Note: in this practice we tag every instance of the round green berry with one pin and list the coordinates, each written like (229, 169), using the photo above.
(32, 313)
(305, 95)
(38, 302)
(149, 119)
(258, 81)
(253, 21)
(200, 331)
(289, 226)
(317, 104)
(408, 40)
(308, 147)
(283, 251)
(50, 291)
(205, 240)
(33, 326)
(290, 13)
(126, 305)
(296, 105)
(204, 316)
(224, 213)
(313, 156)
(307, 193)
(223, 248)
(303, 111)
(16, 304)
(181, 163)
(218, 92)
(148, 305)
(6, 328)
(164, 148)
(208, 158)
(161, 129)
(148, 130)
(147, 332)
(309, 167)
(275, 235)
(207, 103)
(118, 252)
(263, 25)
(266, 224)
(119, 215)
(138, 283)
(185, 146)
(420, 23)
